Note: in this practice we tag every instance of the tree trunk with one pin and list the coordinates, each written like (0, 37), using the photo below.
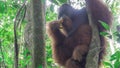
(38, 31)
(94, 50)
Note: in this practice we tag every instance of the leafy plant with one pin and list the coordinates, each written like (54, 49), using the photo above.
(114, 60)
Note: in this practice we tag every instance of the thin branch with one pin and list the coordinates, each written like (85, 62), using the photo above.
(17, 22)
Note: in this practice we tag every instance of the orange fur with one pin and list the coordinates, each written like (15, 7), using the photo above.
(70, 48)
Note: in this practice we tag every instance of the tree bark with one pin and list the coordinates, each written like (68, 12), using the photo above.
(94, 50)
(38, 31)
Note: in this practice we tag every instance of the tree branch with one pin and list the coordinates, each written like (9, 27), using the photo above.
(93, 54)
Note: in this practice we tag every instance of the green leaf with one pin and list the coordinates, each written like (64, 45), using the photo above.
(115, 56)
(55, 2)
(52, 8)
(62, 1)
(104, 33)
(106, 26)
(2, 6)
(117, 64)
(40, 66)
(1, 59)
(50, 59)
(108, 64)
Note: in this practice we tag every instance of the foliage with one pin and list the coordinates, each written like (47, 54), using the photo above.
(114, 35)
(6, 32)
(115, 58)
(106, 27)
(50, 15)
(58, 2)
(7, 16)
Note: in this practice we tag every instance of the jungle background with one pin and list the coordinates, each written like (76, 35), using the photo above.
(9, 9)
